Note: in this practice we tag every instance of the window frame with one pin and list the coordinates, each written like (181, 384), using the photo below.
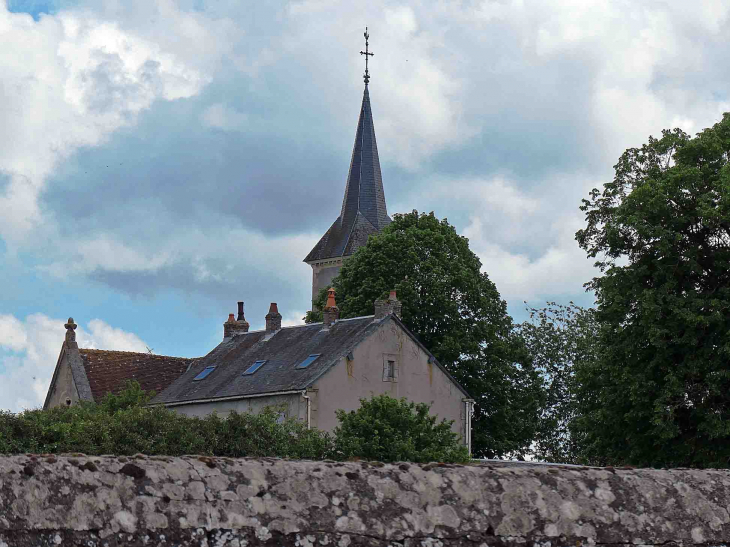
(302, 365)
(202, 375)
(250, 372)
(390, 374)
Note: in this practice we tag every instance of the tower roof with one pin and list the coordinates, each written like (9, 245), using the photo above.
(363, 207)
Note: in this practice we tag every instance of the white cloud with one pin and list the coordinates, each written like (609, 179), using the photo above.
(69, 81)
(292, 319)
(582, 79)
(223, 117)
(559, 270)
(29, 350)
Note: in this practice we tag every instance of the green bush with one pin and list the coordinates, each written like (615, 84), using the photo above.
(389, 430)
(383, 429)
(121, 424)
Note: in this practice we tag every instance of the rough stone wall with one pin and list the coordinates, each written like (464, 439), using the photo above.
(200, 501)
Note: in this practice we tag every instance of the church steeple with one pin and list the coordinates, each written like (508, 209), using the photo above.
(364, 190)
(363, 208)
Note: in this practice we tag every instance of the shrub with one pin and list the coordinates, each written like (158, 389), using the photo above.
(388, 430)
(122, 424)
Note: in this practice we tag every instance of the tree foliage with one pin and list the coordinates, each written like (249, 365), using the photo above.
(660, 230)
(456, 311)
(559, 338)
(391, 430)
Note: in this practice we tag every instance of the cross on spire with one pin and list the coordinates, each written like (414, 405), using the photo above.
(367, 54)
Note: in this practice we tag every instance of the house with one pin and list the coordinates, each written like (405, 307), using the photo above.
(89, 374)
(313, 370)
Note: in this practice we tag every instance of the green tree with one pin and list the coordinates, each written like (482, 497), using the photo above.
(660, 230)
(559, 338)
(455, 310)
(391, 430)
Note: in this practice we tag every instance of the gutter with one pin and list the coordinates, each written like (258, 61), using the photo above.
(468, 413)
(309, 409)
(231, 398)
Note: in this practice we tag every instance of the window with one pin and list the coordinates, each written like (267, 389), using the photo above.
(253, 368)
(205, 372)
(309, 360)
(390, 368)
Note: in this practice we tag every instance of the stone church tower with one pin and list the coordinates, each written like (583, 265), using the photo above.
(363, 207)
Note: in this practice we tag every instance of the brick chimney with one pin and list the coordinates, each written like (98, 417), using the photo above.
(229, 326)
(233, 326)
(241, 323)
(387, 307)
(331, 312)
(273, 318)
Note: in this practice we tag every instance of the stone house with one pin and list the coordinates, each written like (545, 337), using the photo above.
(313, 370)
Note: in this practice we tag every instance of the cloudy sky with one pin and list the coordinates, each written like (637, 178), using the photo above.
(161, 160)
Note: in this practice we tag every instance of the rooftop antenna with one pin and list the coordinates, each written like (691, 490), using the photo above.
(367, 54)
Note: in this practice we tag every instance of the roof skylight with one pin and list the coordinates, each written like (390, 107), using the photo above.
(204, 373)
(308, 361)
(253, 368)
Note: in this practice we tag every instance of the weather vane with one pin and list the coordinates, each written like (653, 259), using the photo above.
(367, 54)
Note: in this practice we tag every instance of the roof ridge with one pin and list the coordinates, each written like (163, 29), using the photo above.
(82, 350)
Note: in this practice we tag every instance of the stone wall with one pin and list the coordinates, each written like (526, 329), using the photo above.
(200, 501)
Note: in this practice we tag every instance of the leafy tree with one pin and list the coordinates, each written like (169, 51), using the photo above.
(131, 395)
(660, 393)
(391, 430)
(455, 310)
(559, 338)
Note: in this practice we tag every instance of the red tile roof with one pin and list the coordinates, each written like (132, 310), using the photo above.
(108, 371)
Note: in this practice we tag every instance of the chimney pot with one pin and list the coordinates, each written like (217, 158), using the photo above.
(331, 312)
(234, 326)
(273, 318)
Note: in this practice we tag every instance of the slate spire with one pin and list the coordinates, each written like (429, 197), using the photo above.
(363, 208)
(364, 189)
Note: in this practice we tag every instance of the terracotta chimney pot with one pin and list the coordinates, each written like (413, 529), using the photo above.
(331, 312)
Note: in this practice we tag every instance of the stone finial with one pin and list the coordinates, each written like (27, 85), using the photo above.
(273, 318)
(71, 330)
(331, 312)
(387, 307)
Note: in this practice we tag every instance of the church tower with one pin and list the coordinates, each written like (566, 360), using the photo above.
(363, 208)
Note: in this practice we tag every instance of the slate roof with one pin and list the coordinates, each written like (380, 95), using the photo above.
(107, 371)
(283, 352)
(363, 207)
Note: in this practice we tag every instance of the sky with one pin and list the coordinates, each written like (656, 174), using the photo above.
(161, 160)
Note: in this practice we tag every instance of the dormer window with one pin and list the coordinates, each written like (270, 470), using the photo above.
(253, 368)
(204, 373)
(309, 360)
